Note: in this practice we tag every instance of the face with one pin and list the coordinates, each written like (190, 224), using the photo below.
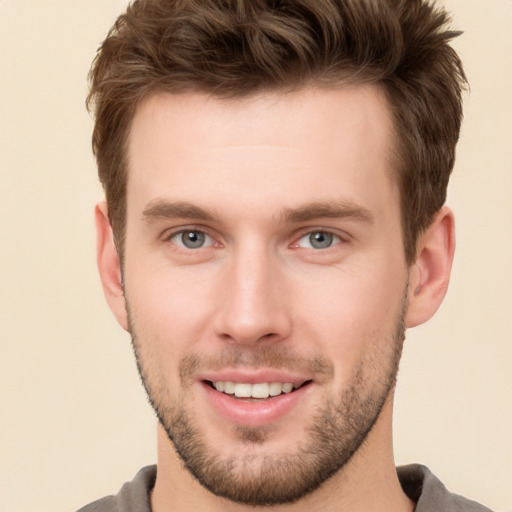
(265, 281)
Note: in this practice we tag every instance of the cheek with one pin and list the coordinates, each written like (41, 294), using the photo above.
(164, 322)
(169, 307)
(350, 313)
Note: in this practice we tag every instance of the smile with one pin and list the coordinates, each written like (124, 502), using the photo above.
(260, 390)
(256, 401)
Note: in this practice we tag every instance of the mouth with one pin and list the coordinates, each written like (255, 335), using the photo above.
(257, 398)
(258, 391)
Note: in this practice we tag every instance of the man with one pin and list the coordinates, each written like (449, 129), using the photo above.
(275, 176)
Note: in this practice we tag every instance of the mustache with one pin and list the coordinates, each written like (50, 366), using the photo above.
(272, 357)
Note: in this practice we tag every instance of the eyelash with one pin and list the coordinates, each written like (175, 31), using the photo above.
(173, 234)
(336, 238)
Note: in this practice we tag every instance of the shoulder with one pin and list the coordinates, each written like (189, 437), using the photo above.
(431, 495)
(134, 496)
(106, 504)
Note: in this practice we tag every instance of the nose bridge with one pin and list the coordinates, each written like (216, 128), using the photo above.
(254, 300)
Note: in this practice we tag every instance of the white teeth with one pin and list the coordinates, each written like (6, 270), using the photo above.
(229, 388)
(259, 390)
(276, 388)
(287, 388)
(243, 390)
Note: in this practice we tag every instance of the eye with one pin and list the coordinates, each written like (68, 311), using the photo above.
(318, 240)
(191, 239)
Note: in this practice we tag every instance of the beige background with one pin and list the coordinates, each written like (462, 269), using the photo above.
(74, 420)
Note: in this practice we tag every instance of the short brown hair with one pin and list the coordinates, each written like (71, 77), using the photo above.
(232, 48)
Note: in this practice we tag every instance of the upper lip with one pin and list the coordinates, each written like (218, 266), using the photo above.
(254, 376)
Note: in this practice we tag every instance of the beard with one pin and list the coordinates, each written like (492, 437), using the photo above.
(334, 433)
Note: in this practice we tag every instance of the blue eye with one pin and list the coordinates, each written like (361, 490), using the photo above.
(318, 240)
(191, 239)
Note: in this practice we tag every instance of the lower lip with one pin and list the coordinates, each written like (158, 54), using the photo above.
(254, 414)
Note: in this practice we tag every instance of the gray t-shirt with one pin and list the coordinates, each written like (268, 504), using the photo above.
(417, 482)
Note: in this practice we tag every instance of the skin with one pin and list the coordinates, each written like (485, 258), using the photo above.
(257, 176)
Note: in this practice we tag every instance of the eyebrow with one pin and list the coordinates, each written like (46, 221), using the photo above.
(161, 210)
(330, 209)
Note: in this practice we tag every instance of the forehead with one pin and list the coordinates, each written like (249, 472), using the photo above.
(285, 147)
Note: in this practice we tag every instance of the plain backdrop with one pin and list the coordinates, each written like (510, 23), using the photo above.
(74, 422)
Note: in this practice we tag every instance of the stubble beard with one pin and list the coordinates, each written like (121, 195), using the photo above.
(334, 434)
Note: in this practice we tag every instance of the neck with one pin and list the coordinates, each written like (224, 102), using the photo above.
(367, 483)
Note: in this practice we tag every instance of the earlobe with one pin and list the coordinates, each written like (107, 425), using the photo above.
(430, 274)
(109, 265)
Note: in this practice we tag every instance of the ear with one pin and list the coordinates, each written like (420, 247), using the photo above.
(109, 265)
(430, 273)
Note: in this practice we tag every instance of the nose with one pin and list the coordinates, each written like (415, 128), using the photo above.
(254, 300)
